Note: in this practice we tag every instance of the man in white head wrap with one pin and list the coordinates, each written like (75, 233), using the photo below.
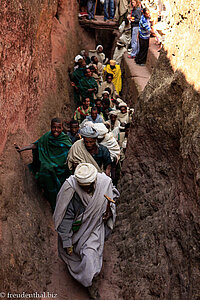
(83, 216)
(119, 52)
(88, 150)
(125, 113)
(106, 139)
(98, 52)
(78, 60)
(114, 124)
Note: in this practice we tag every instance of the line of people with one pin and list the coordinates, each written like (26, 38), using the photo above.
(78, 167)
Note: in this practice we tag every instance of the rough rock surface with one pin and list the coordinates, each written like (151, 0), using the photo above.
(160, 191)
(182, 39)
(159, 230)
(37, 45)
(38, 42)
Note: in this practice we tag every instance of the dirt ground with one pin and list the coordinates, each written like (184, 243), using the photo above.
(66, 287)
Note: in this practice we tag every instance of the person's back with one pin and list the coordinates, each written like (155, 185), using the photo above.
(119, 52)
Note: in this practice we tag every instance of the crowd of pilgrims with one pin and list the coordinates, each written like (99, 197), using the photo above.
(96, 134)
(78, 167)
(77, 163)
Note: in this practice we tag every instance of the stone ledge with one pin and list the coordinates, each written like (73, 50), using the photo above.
(138, 76)
(98, 24)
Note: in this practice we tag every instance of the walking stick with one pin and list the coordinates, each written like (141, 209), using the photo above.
(95, 8)
(109, 199)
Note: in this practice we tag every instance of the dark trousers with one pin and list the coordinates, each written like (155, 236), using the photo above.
(142, 55)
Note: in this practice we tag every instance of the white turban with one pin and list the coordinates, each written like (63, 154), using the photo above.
(85, 173)
(119, 100)
(122, 104)
(101, 128)
(82, 52)
(86, 123)
(105, 92)
(97, 48)
(113, 112)
(88, 131)
(77, 58)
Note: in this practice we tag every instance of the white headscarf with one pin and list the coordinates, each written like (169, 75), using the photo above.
(77, 57)
(85, 173)
(97, 48)
(86, 123)
(122, 104)
(101, 129)
(88, 131)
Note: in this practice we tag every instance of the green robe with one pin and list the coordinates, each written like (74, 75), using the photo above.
(88, 83)
(77, 75)
(49, 164)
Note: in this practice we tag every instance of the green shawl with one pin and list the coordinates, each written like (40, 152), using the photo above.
(85, 84)
(49, 163)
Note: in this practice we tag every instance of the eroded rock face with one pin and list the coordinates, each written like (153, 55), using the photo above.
(38, 42)
(37, 45)
(160, 204)
(159, 210)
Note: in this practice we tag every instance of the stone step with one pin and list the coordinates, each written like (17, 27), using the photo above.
(99, 23)
(137, 76)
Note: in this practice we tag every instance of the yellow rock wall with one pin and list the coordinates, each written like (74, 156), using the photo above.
(183, 39)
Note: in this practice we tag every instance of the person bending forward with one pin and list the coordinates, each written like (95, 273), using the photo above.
(81, 199)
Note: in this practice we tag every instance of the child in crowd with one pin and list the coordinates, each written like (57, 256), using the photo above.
(83, 111)
(74, 133)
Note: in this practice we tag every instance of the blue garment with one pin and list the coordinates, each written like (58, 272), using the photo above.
(102, 158)
(112, 12)
(144, 28)
(136, 13)
(135, 41)
(97, 120)
(91, 9)
(72, 137)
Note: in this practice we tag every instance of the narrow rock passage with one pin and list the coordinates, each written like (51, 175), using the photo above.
(110, 283)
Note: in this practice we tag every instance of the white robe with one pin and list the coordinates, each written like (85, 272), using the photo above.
(86, 261)
(110, 142)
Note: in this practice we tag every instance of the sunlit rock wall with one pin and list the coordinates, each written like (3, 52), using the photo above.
(159, 225)
(182, 39)
(38, 41)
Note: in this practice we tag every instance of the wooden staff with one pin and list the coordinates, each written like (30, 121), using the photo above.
(109, 199)
(95, 8)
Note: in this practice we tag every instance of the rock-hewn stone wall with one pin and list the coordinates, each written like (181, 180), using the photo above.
(160, 192)
(38, 42)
